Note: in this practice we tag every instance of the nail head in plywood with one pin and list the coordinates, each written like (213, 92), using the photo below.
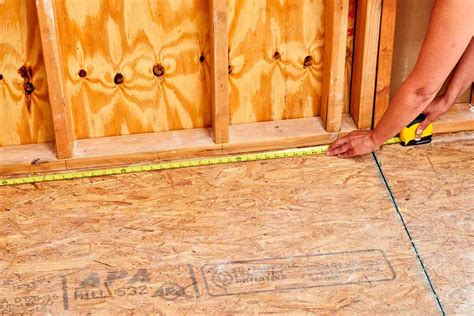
(25, 114)
(365, 62)
(332, 98)
(52, 58)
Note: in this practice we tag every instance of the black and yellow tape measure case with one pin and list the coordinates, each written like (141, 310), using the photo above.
(409, 136)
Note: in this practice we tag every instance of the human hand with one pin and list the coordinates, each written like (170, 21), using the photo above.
(436, 108)
(355, 144)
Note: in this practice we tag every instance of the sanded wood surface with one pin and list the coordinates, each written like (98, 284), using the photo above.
(135, 66)
(260, 237)
(275, 59)
(25, 115)
(434, 189)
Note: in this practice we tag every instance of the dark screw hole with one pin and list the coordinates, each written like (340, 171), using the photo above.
(308, 61)
(202, 59)
(276, 55)
(1, 77)
(118, 79)
(158, 70)
(229, 69)
(82, 73)
(29, 87)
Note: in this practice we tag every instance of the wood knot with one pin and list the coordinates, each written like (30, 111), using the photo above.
(202, 59)
(29, 88)
(158, 70)
(276, 56)
(1, 77)
(118, 79)
(308, 61)
(229, 69)
(82, 73)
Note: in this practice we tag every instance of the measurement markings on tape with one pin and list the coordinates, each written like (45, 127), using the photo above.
(286, 153)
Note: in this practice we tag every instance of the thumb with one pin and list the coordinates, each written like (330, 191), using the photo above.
(424, 124)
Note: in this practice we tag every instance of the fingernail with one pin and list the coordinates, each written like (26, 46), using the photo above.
(419, 131)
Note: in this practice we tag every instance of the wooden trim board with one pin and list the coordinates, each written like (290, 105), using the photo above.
(144, 148)
(141, 148)
(459, 118)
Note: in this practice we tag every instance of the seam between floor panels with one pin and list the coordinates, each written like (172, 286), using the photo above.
(413, 245)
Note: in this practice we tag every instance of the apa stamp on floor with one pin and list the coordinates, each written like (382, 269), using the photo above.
(79, 290)
(299, 272)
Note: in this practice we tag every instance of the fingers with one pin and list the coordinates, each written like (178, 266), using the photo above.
(338, 143)
(348, 154)
(424, 124)
(340, 150)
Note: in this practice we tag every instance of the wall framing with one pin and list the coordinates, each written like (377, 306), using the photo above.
(371, 79)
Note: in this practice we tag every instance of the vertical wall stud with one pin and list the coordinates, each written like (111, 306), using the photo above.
(384, 64)
(219, 71)
(335, 42)
(365, 62)
(52, 58)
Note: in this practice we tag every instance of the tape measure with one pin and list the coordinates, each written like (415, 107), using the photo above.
(269, 155)
(410, 137)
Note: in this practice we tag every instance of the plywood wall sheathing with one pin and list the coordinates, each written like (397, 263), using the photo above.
(25, 115)
(275, 59)
(135, 66)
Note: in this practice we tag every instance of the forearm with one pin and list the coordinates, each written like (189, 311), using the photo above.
(463, 76)
(404, 107)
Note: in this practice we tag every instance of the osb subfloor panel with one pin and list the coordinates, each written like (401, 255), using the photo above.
(434, 188)
(300, 236)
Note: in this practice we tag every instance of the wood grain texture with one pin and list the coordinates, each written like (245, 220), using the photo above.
(118, 44)
(384, 63)
(335, 47)
(219, 71)
(24, 118)
(169, 225)
(365, 62)
(60, 107)
(436, 198)
(270, 42)
(170, 145)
